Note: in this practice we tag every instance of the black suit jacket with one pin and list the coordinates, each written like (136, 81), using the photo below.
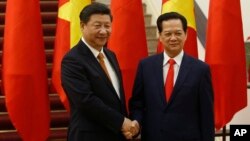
(188, 116)
(97, 113)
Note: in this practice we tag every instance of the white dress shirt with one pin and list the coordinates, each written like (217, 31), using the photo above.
(177, 65)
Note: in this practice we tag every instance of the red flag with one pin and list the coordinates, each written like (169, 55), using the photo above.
(225, 54)
(67, 35)
(128, 38)
(24, 70)
(187, 10)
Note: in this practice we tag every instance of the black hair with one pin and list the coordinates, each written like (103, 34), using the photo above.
(169, 16)
(94, 8)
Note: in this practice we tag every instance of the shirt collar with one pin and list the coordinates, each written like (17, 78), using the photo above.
(93, 50)
(177, 58)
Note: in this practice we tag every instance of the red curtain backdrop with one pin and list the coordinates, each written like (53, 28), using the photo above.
(187, 10)
(24, 70)
(225, 53)
(67, 35)
(128, 38)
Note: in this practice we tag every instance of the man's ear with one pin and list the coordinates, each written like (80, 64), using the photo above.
(159, 36)
(186, 34)
(81, 25)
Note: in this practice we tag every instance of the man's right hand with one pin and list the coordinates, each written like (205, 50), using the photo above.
(130, 128)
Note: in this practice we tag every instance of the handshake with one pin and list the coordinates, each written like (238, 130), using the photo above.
(130, 128)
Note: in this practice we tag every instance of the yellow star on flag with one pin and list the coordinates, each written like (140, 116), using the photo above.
(70, 11)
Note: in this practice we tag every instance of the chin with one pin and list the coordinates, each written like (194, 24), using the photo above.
(102, 43)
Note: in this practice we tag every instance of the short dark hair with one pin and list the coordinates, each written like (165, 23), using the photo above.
(169, 16)
(94, 8)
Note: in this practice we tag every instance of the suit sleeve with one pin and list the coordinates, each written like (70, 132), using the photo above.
(79, 91)
(206, 107)
(136, 103)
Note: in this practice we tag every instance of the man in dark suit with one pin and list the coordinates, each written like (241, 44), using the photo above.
(182, 111)
(92, 81)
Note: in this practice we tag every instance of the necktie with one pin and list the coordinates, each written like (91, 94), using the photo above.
(169, 83)
(100, 57)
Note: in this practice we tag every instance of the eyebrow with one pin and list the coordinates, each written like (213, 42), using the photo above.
(174, 31)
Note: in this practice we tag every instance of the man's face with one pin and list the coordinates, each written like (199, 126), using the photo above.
(172, 37)
(97, 31)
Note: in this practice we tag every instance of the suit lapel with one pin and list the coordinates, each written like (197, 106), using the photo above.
(159, 77)
(95, 64)
(183, 72)
(115, 66)
(113, 63)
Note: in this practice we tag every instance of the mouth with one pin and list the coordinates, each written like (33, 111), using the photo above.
(173, 45)
(102, 38)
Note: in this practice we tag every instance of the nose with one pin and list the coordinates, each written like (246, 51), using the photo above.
(173, 37)
(104, 30)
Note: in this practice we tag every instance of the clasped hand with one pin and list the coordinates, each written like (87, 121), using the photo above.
(130, 128)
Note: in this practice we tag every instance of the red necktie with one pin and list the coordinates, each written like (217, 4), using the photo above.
(102, 63)
(169, 83)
